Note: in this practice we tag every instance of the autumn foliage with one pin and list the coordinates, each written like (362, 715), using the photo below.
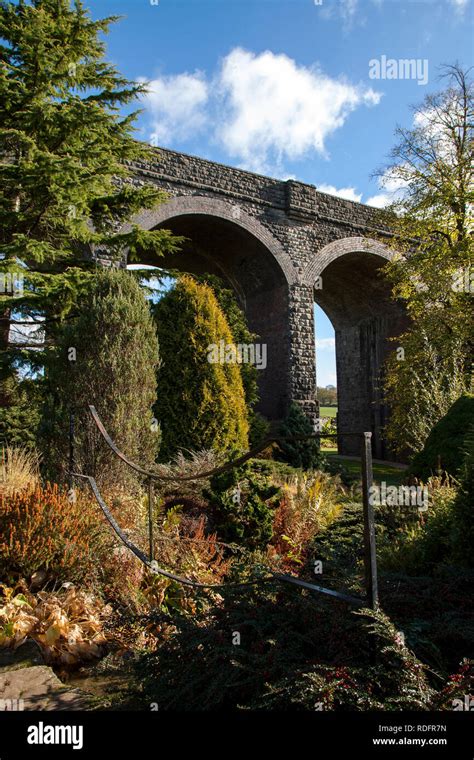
(67, 625)
(42, 530)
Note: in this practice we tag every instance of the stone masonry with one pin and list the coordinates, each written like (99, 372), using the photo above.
(283, 245)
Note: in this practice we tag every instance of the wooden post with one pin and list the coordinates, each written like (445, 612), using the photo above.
(150, 518)
(370, 557)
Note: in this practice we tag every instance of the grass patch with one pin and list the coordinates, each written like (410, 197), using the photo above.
(390, 475)
(328, 411)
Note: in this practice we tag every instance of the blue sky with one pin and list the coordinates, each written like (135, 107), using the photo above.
(284, 87)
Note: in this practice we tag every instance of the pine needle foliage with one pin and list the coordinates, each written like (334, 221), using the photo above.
(201, 404)
(106, 357)
(67, 196)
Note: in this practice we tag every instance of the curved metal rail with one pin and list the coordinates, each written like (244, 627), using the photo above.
(154, 567)
(210, 473)
(152, 564)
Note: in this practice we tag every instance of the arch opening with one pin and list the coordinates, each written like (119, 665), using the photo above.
(220, 246)
(356, 297)
(326, 390)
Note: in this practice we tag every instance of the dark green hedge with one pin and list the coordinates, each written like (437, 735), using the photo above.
(447, 444)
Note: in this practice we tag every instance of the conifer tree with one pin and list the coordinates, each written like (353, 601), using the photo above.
(305, 453)
(65, 189)
(241, 334)
(108, 357)
(201, 402)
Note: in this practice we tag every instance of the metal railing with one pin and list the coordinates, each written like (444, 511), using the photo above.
(370, 560)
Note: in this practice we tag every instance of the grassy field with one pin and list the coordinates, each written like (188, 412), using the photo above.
(391, 475)
(327, 411)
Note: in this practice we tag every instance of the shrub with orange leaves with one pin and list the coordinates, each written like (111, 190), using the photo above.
(183, 547)
(43, 530)
(310, 503)
(197, 555)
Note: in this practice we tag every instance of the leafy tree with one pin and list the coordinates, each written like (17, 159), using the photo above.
(65, 185)
(107, 357)
(327, 396)
(201, 403)
(422, 388)
(433, 223)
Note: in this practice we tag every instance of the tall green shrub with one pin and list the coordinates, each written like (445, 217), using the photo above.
(114, 344)
(19, 420)
(201, 404)
(304, 453)
(227, 300)
(243, 503)
(446, 445)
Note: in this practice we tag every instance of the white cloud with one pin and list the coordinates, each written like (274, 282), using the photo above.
(344, 9)
(262, 109)
(459, 5)
(274, 109)
(393, 188)
(177, 106)
(379, 201)
(349, 193)
(326, 344)
(348, 9)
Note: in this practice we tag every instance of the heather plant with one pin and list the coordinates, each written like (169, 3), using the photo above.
(43, 530)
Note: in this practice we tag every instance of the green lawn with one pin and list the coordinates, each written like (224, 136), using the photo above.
(327, 411)
(391, 475)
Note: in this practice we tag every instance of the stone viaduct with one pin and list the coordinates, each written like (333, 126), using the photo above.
(283, 246)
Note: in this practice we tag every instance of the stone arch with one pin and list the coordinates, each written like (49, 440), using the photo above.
(240, 248)
(213, 207)
(341, 247)
(356, 297)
